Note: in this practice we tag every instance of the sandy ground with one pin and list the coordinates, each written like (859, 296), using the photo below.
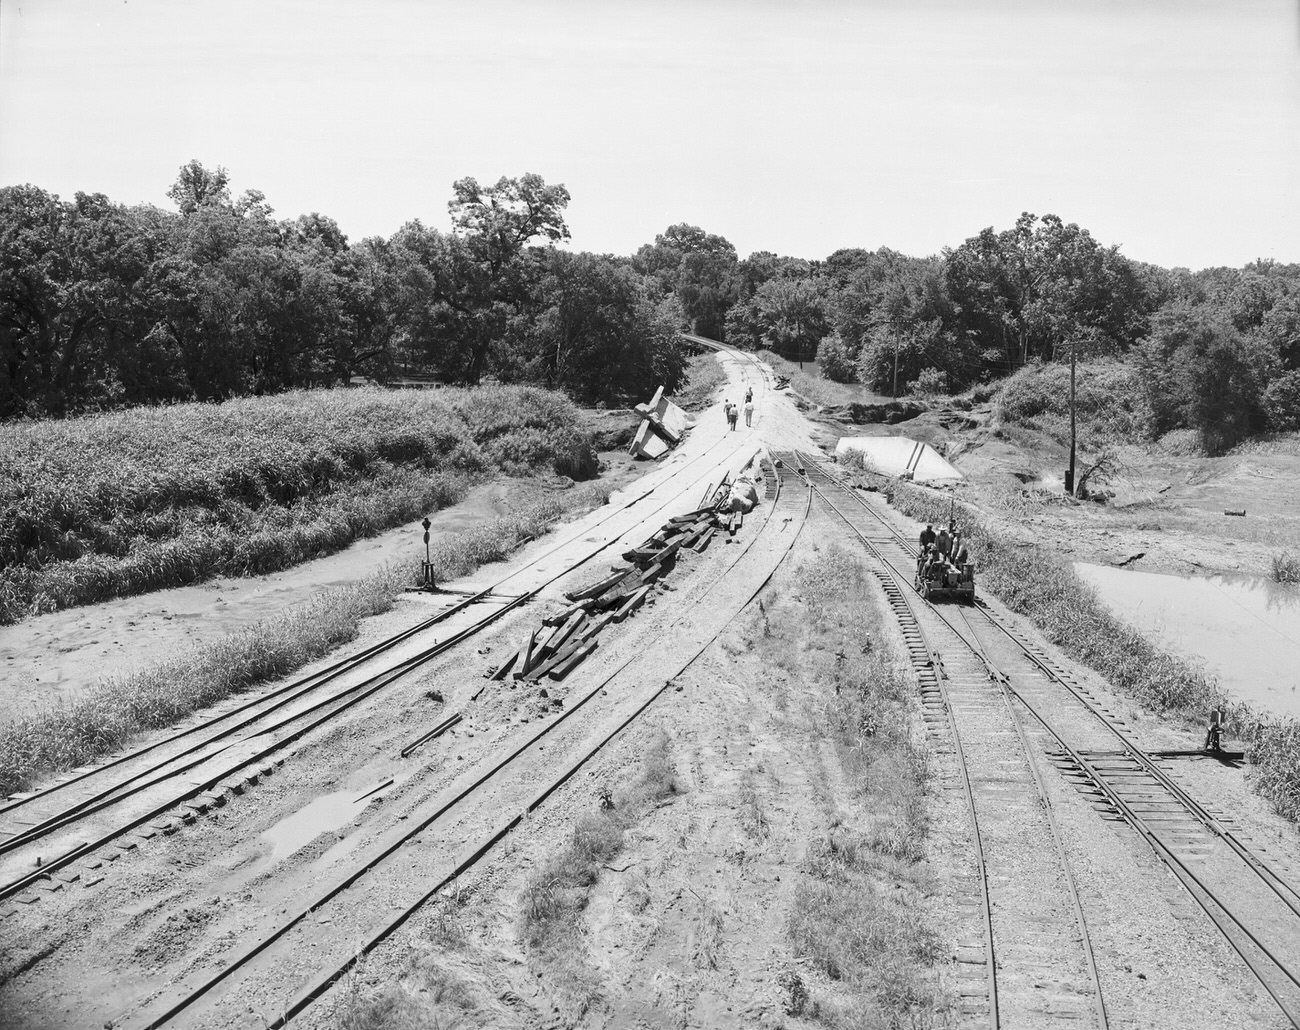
(687, 927)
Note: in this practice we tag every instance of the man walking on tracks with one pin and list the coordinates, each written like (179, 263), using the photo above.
(732, 415)
(749, 411)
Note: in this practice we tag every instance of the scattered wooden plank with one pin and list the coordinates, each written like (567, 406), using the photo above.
(704, 540)
(595, 626)
(529, 656)
(640, 555)
(596, 589)
(543, 668)
(632, 604)
(558, 642)
(506, 666)
(573, 661)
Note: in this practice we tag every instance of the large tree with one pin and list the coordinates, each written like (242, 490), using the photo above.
(1032, 288)
(485, 264)
(700, 268)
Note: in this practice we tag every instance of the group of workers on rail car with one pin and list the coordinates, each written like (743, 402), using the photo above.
(944, 563)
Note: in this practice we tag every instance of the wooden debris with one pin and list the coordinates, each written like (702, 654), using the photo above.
(573, 661)
(632, 604)
(596, 589)
(529, 656)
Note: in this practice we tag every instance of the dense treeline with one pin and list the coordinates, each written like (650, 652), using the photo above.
(103, 305)
(1215, 351)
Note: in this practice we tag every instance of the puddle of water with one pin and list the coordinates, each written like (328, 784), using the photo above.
(327, 812)
(1245, 628)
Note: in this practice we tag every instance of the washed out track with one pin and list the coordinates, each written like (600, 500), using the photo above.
(173, 780)
(981, 680)
(612, 701)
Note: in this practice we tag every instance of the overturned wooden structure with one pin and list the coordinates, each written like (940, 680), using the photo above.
(663, 424)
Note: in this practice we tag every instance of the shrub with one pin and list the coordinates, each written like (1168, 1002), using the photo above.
(1107, 401)
(1282, 402)
(836, 363)
(930, 383)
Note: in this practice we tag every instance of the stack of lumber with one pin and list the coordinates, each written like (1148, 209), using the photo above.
(566, 638)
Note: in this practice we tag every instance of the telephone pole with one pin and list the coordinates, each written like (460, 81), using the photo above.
(1069, 473)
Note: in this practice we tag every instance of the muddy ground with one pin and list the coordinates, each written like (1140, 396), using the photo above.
(1161, 513)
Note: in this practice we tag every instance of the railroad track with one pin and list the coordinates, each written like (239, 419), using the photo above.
(1253, 906)
(700, 623)
(201, 766)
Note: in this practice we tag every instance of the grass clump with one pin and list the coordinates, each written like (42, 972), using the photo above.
(558, 892)
(704, 374)
(429, 996)
(121, 707)
(1286, 567)
(110, 505)
(1034, 582)
(856, 917)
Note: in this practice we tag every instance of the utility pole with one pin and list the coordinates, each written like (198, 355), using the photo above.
(895, 393)
(1069, 473)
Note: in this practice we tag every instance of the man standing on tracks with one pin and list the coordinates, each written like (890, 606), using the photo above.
(732, 415)
(749, 409)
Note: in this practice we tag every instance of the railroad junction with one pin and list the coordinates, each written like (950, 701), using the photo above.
(265, 862)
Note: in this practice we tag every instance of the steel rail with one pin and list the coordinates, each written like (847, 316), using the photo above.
(889, 578)
(1041, 786)
(392, 848)
(1210, 902)
(161, 772)
(1287, 893)
(330, 672)
(323, 984)
(1214, 907)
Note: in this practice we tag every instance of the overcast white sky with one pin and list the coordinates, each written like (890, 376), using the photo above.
(1170, 127)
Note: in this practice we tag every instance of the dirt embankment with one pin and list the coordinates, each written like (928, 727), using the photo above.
(1159, 512)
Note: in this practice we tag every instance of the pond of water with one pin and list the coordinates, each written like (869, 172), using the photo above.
(1246, 629)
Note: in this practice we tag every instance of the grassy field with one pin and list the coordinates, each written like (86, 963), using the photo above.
(110, 505)
(1032, 581)
(110, 715)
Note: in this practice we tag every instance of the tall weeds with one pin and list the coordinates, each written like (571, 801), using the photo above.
(117, 504)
